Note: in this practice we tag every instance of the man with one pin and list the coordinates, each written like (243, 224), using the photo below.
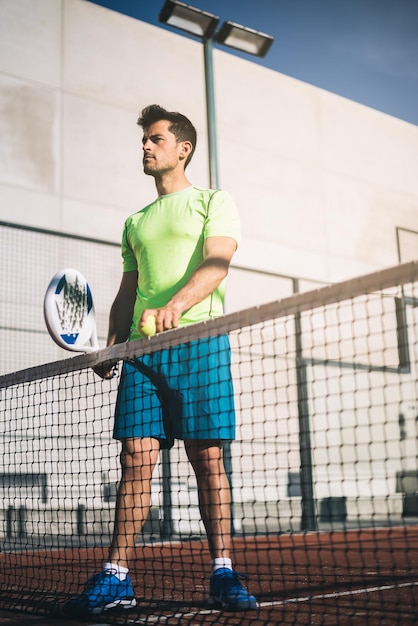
(176, 253)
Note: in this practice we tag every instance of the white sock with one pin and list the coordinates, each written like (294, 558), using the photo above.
(119, 571)
(220, 563)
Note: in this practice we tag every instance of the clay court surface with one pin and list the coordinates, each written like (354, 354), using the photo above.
(345, 578)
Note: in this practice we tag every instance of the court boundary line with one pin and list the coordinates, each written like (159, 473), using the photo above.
(158, 619)
(341, 594)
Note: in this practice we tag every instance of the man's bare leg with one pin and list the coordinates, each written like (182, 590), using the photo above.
(226, 590)
(214, 494)
(138, 460)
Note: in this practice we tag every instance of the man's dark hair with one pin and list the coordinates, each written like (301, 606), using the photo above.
(180, 125)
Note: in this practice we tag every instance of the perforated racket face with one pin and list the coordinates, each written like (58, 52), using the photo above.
(69, 312)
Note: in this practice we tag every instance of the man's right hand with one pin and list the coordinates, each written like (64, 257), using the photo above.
(106, 370)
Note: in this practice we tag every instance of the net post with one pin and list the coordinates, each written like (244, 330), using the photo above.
(81, 520)
(402, 334)
(9, 522)
(308, 518)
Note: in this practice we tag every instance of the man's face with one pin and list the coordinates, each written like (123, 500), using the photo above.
(161, 150)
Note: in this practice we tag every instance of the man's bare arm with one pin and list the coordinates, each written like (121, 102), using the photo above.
(122, 309)
(218, 252)
(120, 318)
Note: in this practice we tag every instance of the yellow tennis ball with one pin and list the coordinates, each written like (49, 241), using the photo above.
(149, 328)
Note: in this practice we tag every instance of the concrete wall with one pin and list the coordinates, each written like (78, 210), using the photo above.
(321, 182)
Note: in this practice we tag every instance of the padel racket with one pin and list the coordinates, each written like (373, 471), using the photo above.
(69, 312)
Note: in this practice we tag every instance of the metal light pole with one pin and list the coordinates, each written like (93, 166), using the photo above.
(211, 114)
(203, 25)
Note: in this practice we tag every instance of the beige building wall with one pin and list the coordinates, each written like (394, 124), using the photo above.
(321, 182)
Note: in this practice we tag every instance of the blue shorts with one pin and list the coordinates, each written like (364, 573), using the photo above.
(183, 392)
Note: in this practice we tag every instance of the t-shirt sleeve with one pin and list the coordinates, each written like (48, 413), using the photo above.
(129, 263)
(223, 217)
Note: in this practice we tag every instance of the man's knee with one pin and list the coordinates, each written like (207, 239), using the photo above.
(139, 456)
(206, 458)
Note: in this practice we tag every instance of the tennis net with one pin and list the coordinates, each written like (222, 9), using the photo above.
(323, 470)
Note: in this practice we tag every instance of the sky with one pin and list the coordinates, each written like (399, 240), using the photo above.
(364, 50)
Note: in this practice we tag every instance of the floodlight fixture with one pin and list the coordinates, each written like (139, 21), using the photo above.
(204, 26)
(244, 39)
(189, 19)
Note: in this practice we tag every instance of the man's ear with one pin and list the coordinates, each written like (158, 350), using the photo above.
(185, 149)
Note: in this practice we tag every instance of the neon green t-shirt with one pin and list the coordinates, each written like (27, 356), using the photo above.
(164, 243)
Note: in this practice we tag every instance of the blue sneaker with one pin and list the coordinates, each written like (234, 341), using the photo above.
(226, 591)
(103, 592)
